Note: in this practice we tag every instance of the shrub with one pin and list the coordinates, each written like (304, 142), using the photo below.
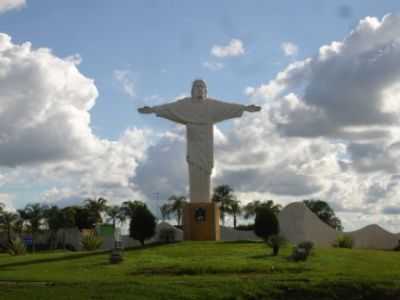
(307, 245)
(143, 224)
(91, 242)
(167, 235)
(17, 247)
(266, 223)
(344, 241)
(299, 254)
(276, 242)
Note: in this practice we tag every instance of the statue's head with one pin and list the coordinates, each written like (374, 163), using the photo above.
(199, 89)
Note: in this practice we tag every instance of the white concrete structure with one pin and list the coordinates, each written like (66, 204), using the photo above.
(298, 223)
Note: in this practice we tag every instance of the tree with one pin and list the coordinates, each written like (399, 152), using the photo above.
(33, 214)
(235, 210)
(250, 209)
(223, 195)
(7, 221)
(324, 212)
(175, 206)
(143, 224)
(96, 207)
(128, 208)
(266, 224)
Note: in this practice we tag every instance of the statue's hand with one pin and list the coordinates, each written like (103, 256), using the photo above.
(253, 108)
(145, 110)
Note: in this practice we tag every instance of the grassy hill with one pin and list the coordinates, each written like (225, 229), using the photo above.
(200, 270)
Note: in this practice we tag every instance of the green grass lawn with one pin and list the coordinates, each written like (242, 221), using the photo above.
(201, 270)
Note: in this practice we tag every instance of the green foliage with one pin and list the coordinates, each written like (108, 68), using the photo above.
(223, 195)
(91, 242)
(84, 219)
(324, 212)
(276, 241)
(33, 217)
(307, 245)
(115, 213)
(95, 208)
(167, 235)
(266, 223)
(250, 209)
(143, 224)
(344, 241)
(175, 206)
(16, 247)
(8, 221)
(299, 254)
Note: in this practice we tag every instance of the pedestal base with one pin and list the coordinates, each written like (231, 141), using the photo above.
(201, 222)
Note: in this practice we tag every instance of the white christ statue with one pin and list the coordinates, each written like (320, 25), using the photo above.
(199, 113)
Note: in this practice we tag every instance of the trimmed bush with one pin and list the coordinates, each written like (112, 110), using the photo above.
(143, 224)
(276, 242)
(91, 242)
(266, 223)
(17, 247)
(344, 241)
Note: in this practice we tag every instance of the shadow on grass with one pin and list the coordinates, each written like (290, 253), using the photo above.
(53, 259)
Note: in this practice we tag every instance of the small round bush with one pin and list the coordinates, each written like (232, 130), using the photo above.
(307, 245)
(299, 254)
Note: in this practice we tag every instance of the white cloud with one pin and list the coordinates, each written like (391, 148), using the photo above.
(289, 49)
(125, 78)
(234, 48)
(6, 5)
(44, 107)
(213, 66)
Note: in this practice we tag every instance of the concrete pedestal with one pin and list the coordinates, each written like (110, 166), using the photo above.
(201, 222)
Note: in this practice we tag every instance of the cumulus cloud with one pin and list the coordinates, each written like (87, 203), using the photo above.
(44, 107)
(234, 48)
(6, 5)
(45, 133)
(125, 79)
(289, 49)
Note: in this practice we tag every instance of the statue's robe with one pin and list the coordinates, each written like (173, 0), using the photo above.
(199, 116)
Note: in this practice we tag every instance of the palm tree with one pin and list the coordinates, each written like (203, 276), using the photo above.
(235, 210)
(176, 205)
(7, 221)
(250, 209)
(96, 207)
(165, 210)
(223, 194)
(55, 221)
(33, 214)
(115, 213)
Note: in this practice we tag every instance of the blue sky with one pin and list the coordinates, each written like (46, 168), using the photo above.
(148, 52)
(164, 43)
